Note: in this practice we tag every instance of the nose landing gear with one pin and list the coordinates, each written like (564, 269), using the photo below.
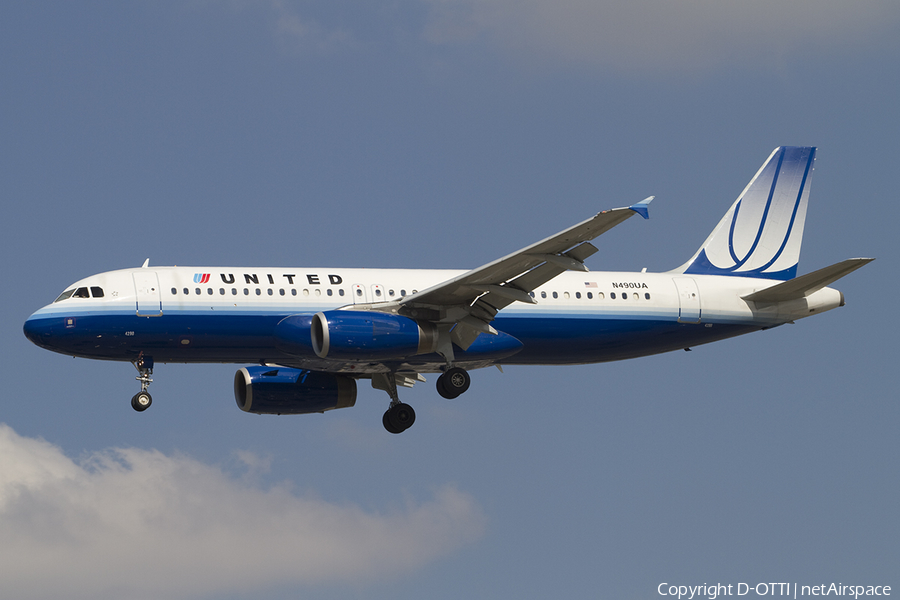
(142, 400)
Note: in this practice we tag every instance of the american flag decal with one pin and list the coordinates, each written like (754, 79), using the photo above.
(590, 284)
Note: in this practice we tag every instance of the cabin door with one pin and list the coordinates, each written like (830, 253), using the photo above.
(146, 289)
(688, 300)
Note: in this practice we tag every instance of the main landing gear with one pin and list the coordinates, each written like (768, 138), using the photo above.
(453, 382)
(399, 416)
(142, 400)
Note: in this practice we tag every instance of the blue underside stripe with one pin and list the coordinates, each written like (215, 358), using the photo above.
(249, 338)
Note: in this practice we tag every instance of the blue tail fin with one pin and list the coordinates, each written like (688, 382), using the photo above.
(761, 233)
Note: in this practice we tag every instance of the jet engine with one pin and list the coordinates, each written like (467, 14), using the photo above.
(292, 336)
(361, 335)
(284, 391)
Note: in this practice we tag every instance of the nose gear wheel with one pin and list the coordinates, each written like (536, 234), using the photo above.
(141, 401)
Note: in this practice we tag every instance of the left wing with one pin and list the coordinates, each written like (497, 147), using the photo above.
(469, 302)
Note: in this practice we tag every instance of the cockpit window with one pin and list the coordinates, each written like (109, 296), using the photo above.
(82, 292)
(65, 295)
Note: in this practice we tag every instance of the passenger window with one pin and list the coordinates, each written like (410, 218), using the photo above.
(531, 294)
(402, 292)
(306, 292)
(270, 291)
(258, 292)
(330, 292)
(358, 292)
(601, 296)
(318, 292)
(293, 292)
(65, 295)
(647, 296)
(197, 291)
(555, 295)
(378, 292)
(566, 295)
(209, 291)
(340, 292)
(186, 291)
(612, 295)
(391, 293)
(281, 292)
(81, 293)
(174, 291)
(543, 294)
(590, 295)
(246, 292)
(578, 295)
(234, 291)
(636, 296)
(221, 291)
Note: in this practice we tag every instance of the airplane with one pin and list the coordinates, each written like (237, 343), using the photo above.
(310, 334)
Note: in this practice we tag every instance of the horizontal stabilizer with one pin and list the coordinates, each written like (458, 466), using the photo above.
(803, 286)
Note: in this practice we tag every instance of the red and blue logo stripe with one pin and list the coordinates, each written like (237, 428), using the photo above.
(201, 277)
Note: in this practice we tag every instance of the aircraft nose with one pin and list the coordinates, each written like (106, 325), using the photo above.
(36, 330)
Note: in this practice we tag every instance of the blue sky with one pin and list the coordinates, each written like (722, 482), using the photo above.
(444, 134)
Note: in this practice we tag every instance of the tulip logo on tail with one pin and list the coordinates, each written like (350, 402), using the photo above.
(201, 277)
(760, 235)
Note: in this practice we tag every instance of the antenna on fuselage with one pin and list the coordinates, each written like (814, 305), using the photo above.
(146, 264)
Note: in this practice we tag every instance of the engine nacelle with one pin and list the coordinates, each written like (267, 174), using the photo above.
(283, 391)
(363, 335)
(292, 336)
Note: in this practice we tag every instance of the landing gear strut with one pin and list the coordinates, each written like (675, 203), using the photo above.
(142, 400)
(399, 416)
(453, 382)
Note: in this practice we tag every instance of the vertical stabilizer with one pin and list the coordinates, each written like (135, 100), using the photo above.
(761, 233)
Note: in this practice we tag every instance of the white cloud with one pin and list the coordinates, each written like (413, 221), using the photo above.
(131, 523)
(662, 34)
